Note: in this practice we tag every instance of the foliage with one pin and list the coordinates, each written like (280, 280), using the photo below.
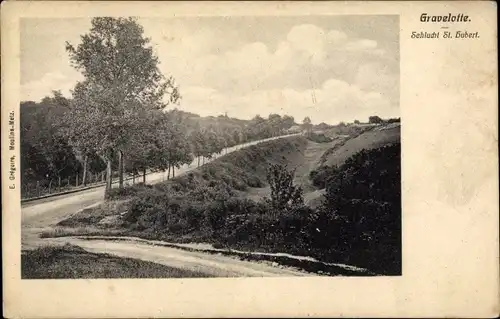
(375, 120)
(284, 194)
(319, 177)
(363, 205)
(307, 125)
(47, 153)
(319, 138)
(122, 83)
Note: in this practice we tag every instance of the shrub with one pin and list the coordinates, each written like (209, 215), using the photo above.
(319, 177)
(319, 138)
(363, 207)
(284, 194)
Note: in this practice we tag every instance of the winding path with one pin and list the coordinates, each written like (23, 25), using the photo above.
(45, 213)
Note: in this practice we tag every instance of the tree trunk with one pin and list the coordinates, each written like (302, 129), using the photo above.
(120, 169)
(198, 161)
(133, 176)
(109, 178)
(144, 175)
(173, 171)
(76, 183)
(168, 172)
(84, 178)
(59, 183)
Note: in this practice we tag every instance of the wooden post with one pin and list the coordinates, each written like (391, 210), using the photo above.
(76, 183)
(84, 177)
(144, 175)
(120, 169)
(109, 176)
(59, 183)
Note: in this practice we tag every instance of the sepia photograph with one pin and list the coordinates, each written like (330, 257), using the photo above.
(210, 147)
(263, 159)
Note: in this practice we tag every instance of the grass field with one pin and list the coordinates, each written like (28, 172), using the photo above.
(59, 262)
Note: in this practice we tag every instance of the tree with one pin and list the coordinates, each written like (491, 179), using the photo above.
(285, 196)
(236, 136)
(307, 125)
(375, 119)
(121, 80)
(46, 150)
(356, 122)
(197, 141)
(287, 122)
(275, 123)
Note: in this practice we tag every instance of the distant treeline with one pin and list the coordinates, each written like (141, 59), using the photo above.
(167, 140)
(371, 120)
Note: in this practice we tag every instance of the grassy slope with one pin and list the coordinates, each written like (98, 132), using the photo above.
(58, 262)
(346, 146)
(369, 140)
(240, 171)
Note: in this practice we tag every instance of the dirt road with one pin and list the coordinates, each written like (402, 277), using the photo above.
(44, 215)
(209, 264)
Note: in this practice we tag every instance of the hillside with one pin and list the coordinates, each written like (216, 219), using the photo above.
(373, 138)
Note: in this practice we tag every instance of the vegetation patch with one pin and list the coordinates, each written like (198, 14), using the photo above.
(357, 223)
(68, 261)
(319, 138)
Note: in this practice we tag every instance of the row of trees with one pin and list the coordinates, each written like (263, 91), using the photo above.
(117, 117)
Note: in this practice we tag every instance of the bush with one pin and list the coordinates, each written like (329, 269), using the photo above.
(284, 195)
(319, 138)
(319, 177)
(363, 207)
(126, 192)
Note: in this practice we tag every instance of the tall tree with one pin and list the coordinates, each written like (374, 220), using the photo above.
(307, 125)
(121, 80)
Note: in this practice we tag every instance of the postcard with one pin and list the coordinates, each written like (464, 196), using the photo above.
(250, 159)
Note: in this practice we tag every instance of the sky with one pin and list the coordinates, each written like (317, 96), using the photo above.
(330, 68)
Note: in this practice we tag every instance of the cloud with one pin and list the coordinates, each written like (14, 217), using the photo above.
(305, 51)
(351, 78)
(38, 89)
(336, 101)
